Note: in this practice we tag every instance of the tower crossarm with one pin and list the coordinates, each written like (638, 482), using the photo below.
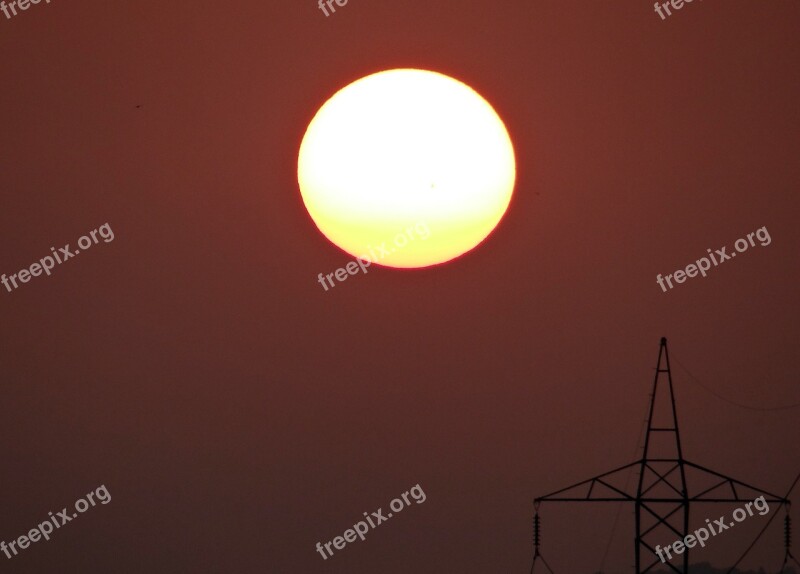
(586, 490)
(737, 490)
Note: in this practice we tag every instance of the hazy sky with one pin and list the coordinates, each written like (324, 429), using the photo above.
(238, 414)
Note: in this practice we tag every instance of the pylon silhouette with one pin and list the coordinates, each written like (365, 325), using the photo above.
(667, 485)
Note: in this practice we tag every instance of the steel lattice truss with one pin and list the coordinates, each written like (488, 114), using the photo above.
(667, 485)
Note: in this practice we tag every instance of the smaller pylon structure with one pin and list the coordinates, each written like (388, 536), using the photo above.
(667, 486)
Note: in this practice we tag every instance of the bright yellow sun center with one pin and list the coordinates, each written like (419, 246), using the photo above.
(406, 168)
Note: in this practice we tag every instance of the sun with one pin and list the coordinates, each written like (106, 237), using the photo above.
(401, 150)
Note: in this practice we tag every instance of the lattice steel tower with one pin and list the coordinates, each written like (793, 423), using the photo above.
(667, 484)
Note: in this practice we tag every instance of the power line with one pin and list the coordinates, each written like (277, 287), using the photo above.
(642, 430)
(763, 530)
(729, 401)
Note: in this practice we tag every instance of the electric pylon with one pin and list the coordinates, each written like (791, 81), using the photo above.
(667, 483)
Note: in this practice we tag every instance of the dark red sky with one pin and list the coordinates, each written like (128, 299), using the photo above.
(238, 414)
